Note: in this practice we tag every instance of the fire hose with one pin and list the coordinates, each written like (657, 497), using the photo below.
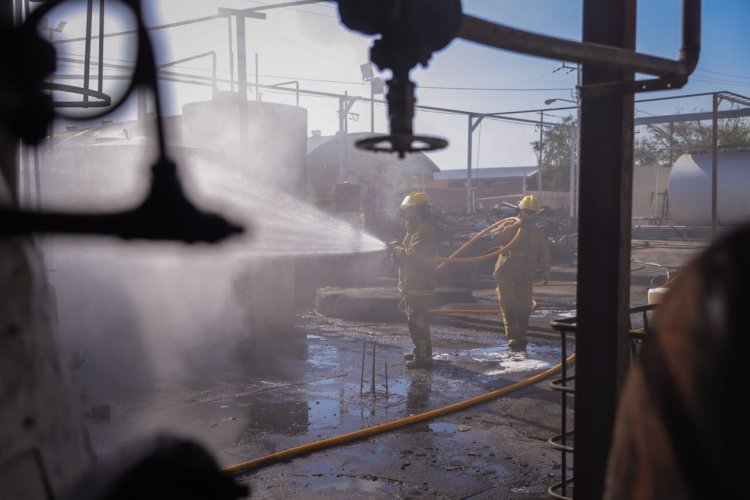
(322, 444)
(454, 258)
(331, 442)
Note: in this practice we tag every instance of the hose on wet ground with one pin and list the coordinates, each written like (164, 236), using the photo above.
(331, 442)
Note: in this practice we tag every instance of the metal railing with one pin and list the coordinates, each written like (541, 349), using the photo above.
(565, 385)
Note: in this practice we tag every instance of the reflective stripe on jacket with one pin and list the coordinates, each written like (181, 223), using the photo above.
(417, 260)
(528, 253)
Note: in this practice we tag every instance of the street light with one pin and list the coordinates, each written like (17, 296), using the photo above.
(377, 86)
(550, 101)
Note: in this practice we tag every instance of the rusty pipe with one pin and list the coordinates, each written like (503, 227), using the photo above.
(504, 37)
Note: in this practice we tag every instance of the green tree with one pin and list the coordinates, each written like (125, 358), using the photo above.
(656, 141)
(559, 144)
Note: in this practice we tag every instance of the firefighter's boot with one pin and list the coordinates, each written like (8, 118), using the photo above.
(422, 357)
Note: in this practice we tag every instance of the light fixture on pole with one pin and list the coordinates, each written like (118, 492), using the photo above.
(377, 86)
(550, 101)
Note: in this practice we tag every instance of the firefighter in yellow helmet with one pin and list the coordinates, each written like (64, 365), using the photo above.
(417, 274)
(516, 269)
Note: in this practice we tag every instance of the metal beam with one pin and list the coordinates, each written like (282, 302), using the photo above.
(692, 117)
(603, 292)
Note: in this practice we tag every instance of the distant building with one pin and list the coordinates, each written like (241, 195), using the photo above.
(489, 186)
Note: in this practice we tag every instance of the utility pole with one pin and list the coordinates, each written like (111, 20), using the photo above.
(541, 150)
(472, 126)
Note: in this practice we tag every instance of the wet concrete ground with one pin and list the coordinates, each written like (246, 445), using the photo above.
(276, 391)
(309, 388)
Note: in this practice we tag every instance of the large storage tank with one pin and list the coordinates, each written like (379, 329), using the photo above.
(690, 189)
(271, 149)
(136, 311)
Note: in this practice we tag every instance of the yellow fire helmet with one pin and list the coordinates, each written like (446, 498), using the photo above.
(415, 199)
(529, 203)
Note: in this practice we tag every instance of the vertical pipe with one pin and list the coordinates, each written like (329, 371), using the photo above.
(87, 51)
(101, 45)
(541, 150)
(241, 60)
(468, 165)
(603, 292)
(231, 55)
(714, 163)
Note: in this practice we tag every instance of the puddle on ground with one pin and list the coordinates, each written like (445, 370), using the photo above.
(443, 427)
(553, 313)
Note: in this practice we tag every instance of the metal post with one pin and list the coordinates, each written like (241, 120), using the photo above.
(87, 51)
(231, 55)
(241, 60)
(603, 292)
(372, 107)
(101, 45)
(714, 163)
(342, 142)
(671, 143)
(257, 81)
(386, 379)
(572, 169)
(541, 150)
(469, 207)
(362, 376)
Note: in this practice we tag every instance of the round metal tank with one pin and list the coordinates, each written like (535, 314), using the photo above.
(690, 189)
(271, 149)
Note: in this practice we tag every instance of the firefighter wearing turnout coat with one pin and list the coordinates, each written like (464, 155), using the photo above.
(417, 275)
(516, 269)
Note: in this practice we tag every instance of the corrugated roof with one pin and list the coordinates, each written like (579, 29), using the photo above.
(486, 173)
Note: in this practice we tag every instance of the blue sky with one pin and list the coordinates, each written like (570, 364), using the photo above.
(307, 43)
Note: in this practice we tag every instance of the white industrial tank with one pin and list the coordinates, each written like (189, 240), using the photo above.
(271, 148)
(690, 189)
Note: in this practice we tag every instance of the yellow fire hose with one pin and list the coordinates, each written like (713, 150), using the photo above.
(322, 444)
(454, 258)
